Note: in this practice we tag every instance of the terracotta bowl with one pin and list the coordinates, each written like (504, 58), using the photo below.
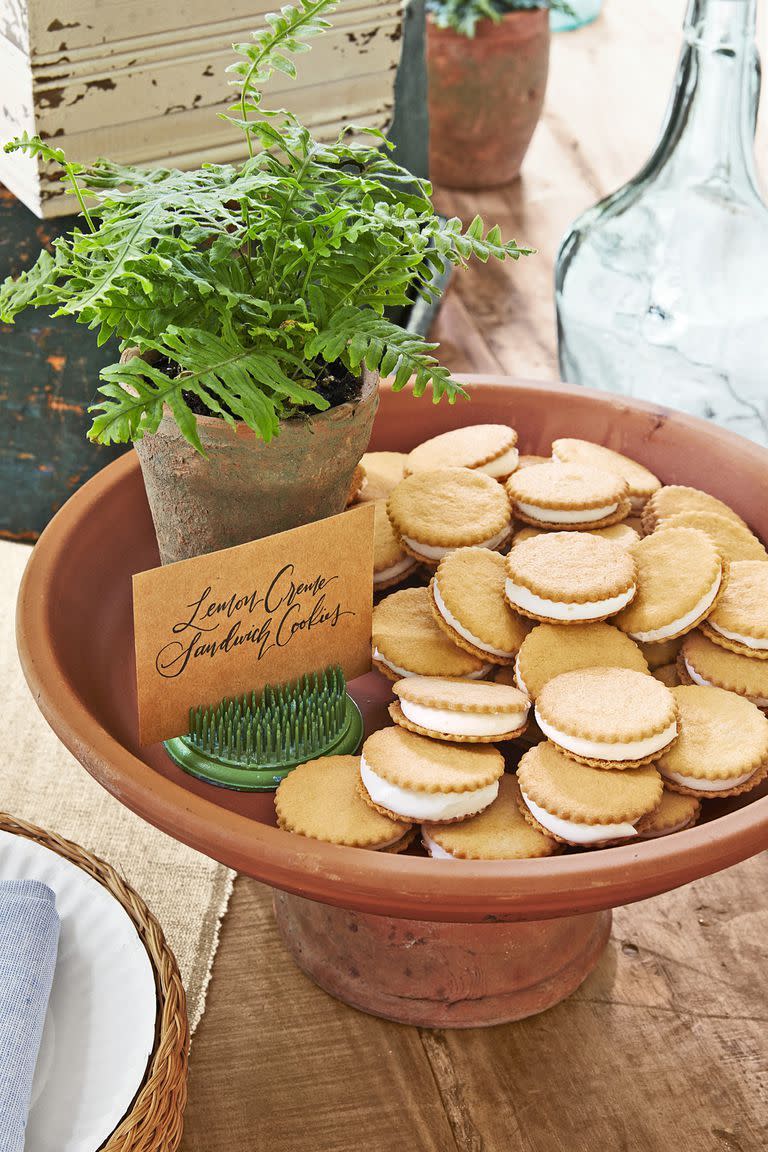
(476, 961)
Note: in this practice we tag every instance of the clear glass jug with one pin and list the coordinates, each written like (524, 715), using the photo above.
(662, 288)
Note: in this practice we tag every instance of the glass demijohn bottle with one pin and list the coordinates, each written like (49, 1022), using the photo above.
(662, 288)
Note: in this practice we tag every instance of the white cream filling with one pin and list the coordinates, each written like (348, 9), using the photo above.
(617, 751)
(389, 843)
(394, 570)
(760, 701)
(433, 806)
(566, 515)
(702, 785)
(462, 631)
(556, 610)
(433, 552)
(578, 833)
(404, 671)
(749, 641)
(519, 677)
(680, 625)
(503, 465)
(434, 849)
(637, 503)
(651, 835)
(463, 723)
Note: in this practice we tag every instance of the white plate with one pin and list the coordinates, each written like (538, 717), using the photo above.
(100, 1027)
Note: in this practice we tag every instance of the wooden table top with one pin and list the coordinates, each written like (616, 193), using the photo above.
(664, 1046)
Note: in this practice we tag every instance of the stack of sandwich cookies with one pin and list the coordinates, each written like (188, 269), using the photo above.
(619, 533)
(551, 649)
(407, 776)
(739, 621)
(461, 711)
(487, 448)
(674, 498)
(675, 813)
(569, 578)
(680, 575)
(723, 744)
(383, 472)
(584, 806)
(407, 641)
(732, 539)
(641, 483)
(709, 665)
(321, 799)
(568, 497)
(391, 565)
(500, 832)
(608, 717)
(468, 600)
(436, 512)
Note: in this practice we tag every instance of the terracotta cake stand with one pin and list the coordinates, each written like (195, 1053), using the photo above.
(435, 943)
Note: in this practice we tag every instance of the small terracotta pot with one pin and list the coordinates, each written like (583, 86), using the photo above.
(247, 489)
(485, 97)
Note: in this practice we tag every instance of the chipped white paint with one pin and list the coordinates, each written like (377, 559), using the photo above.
(80, 72)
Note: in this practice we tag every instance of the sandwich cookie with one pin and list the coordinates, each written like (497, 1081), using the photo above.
(707, 664)
(460, 711)
(667, 674)
(723, 745)
(551, 649)
(321, 799)
(488, 448)
(403, 775)
(356, 484)
(675, 813)
(500, 832)
(608, 717)
(674, 498)
(436, 512)
(569, 578)
(733, 540)
(383, 472)
(468, 600)
(584, 806)
(680, 575)
(739, 621)
(568, 496)
(665, 652)
(641, 483)
(618, 533)
(390, 564)
(408, 642)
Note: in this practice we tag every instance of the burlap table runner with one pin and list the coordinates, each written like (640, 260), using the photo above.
(41, 782)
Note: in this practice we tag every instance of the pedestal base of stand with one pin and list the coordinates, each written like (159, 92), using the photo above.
(440, 975)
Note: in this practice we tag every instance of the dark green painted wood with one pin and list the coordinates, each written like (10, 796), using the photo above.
(48, 375)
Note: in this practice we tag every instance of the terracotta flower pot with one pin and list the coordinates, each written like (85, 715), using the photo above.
(247, 489)
(485, 97)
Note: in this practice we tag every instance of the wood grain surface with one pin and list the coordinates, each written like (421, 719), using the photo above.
(663, 1049)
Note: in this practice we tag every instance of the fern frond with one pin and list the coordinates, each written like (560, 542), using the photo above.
(357, 338)
(285, 34)
(234, 381)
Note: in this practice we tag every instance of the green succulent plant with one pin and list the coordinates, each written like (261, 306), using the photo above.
(463, 16)
(241, 284)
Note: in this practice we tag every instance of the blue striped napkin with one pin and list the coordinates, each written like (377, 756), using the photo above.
(29, 939)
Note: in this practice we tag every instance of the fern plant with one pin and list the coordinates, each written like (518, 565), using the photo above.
(240, 284)
(463, 16)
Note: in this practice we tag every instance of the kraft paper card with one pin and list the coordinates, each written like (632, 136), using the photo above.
(262, 613)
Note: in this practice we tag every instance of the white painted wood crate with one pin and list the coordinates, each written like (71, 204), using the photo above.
(141, 81)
